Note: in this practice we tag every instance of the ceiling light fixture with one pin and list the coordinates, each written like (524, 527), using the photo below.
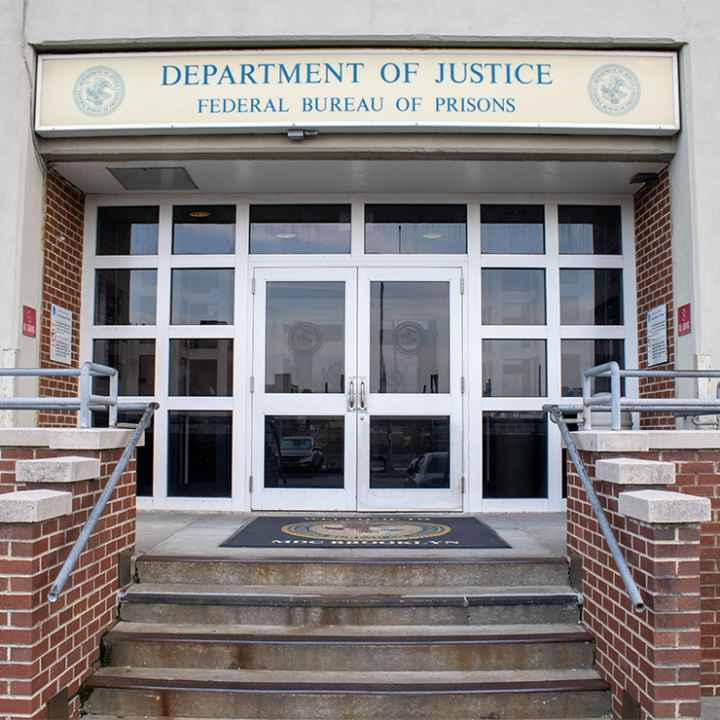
(200, 214)
(432, 236)
(285, 236)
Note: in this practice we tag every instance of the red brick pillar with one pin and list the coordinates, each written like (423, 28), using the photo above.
(49, 485)
(651, 660)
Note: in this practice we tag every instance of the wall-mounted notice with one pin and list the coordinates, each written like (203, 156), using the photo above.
(656, 322)
(29, 318)
(61, 320)
(684, 320)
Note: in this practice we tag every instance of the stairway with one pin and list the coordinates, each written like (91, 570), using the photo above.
(339, 638)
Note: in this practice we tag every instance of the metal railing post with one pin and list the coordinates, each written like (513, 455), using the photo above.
(113, 409)
(587, 394)
(615, 385)
(84, 419)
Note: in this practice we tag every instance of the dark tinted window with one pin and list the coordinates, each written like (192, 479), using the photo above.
(291, 229)
(134, 359)
(127, 230)
(514, 368)
(513, 229)
(201, 367)
(416, 229)
(590, 230)
(514, 455)
(411, 453)
(125, 297)
(513, 296)
(304, 451)
(202, 296)
(206, 229)
(579, 355)
(199, 453)
(591, 297)
(143, 454)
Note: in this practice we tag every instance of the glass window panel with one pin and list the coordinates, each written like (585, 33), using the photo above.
(409, 452)
(133, 359)
(514, 455)
(591, 297)
(199, 453)
(514, 368)
(127, 230)
(201, 367)
(203, 229)
(410, 337)
(304, 452)
(202, 296)
(125, 297)
(579, 355)
(513, 296)
(416, 229)
(291, 229)
(143, 454)
(513, 229)
(305, 337)
(590, 230)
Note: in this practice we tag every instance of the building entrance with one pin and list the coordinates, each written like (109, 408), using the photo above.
(357, 389)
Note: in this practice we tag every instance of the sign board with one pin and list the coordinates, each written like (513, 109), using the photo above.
(656, 322)
(61, 321)
(370, 89)
(684, 320)
(29, 321)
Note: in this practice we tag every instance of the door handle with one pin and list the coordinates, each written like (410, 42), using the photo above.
(363, 397)
(351, 396)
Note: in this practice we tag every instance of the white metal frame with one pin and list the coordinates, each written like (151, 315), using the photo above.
(473, 331)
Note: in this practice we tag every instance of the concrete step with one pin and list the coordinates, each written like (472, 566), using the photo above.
(292, 606)
(379, 572)
(323, 648)
(276, 695)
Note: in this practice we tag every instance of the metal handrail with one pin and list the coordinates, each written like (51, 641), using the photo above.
(615, 402)
(86, 401)
(557, 416)
(79, 545)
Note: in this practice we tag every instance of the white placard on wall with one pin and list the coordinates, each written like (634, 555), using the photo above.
(61, 320)
(656, 321)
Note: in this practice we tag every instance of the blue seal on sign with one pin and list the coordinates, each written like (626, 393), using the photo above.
(98, 91)
(614, 89)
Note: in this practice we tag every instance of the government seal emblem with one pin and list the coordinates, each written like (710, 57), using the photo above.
(362, 530)
(98, 91)
(614, 89)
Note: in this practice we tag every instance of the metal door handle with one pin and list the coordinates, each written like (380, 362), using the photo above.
(363, 400)
(351, 396)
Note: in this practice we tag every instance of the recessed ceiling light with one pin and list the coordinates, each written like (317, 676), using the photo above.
(286, 236)
(432, 236)
(199, 214)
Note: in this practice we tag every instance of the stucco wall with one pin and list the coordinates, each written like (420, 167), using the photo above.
(644, 23)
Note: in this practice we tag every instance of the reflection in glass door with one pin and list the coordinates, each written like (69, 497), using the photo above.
(410, 405)
(357, 392)
(304, 362)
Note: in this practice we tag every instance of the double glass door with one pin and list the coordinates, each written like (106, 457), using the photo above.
(357, 389)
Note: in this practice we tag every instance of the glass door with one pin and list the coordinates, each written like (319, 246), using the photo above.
(304, 407)
(409, 389)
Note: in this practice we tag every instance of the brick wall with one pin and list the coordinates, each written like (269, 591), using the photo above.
(49, 648)
(653, 258)
(652, 659)
(62, 282)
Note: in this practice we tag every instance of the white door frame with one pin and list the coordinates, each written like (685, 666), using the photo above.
(381, 404)
(333, 404)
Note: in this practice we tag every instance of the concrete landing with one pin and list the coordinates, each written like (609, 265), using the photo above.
(172, 533)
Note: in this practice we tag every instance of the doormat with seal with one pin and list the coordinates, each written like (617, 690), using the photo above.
(411, 531)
